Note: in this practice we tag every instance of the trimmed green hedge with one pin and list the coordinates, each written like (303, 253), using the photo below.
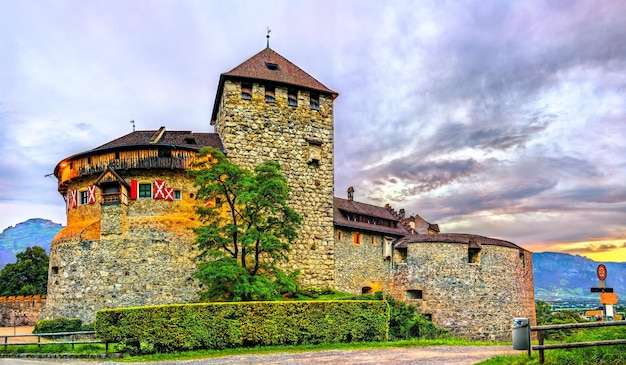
(168, 328)
(58, 325)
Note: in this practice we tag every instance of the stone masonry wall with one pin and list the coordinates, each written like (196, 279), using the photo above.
(254, 130)
(471, 300)
(20, 310)
(150, 261)
(360, 265)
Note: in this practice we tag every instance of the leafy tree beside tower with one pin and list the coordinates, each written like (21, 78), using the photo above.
(246, 229)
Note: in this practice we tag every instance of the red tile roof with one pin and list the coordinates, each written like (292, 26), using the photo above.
(256, 68)
(286, 73)
(185, 139)
(343, 206)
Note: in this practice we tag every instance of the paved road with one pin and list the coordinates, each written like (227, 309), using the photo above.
(436, 355)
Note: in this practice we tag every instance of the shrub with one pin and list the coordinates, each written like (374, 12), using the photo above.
(221, 325)
(58, 325)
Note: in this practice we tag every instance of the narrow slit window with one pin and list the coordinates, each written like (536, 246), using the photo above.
(315, 101)
(292, 97)
(246, 91)
(356, 238)
(270, 94)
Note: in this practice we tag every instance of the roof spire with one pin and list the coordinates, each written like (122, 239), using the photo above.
(268, 37)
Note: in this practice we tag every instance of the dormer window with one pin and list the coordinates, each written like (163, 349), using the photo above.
(270, 94)
(190, 140)
(271, 66)
(315, 101)
(292, 97)
(246, 91)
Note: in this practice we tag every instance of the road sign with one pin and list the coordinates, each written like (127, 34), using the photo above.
(601, 271)
(602, 290)
(608, 298)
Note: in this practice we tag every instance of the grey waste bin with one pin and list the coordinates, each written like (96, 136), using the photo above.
(521, 333)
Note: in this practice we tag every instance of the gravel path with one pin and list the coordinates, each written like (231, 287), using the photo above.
(434, 355)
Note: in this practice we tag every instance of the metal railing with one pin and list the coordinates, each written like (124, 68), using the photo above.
(541, 347)
(60, 338)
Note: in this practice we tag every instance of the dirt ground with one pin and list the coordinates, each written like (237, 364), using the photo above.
(18, 331)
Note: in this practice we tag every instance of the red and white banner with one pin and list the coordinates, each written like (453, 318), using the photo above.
(169, 193)
(91, 194)
(159, 189)
(74, 198)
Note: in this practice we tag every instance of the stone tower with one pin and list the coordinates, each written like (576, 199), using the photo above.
(269, 109)
(127, 242)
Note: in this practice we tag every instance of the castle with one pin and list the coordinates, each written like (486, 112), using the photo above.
(130, 204)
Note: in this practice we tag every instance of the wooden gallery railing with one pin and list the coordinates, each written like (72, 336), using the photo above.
(541, 337)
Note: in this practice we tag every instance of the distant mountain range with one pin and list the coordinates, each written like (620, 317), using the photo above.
(33, 232)
(565, 276)
(556, 275)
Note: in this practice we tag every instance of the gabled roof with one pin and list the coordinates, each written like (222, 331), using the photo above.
(343, 206)
(268, 65)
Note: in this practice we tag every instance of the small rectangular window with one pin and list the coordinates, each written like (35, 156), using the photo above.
(356, 238)
(177, 194)
(338, 235)
(55, 270)
(165, 152)
(246, 91)
(145, 190)
(83, 197)
(270, 94)
(315, 101)
(292, 97)
(413, 294)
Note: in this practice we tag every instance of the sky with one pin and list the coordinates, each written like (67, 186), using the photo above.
(503, 119)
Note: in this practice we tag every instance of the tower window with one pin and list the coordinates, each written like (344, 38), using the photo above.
(356, 238)
(269, 94)
(145, 190)
(339, 235)
(292, 97)
(246, 91)
(83, 197)
(177, 194)
(315, 101)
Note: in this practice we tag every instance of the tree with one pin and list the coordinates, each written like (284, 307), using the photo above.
(247, 231)
(28, 275)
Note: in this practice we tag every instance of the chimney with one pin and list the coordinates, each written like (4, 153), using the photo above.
(402, 213)
(350, 193)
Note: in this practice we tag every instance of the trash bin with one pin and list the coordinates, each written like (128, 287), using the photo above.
(521, 333)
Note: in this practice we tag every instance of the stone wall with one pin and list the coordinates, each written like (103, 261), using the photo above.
(20, 310)
(301, 140)
(359, 266)
(472, 300)
(146, 257)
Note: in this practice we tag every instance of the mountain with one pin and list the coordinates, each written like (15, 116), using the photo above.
(33, 232)
(565, 276)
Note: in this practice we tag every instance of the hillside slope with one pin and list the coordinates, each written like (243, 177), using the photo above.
(565, 276)
(33, 232)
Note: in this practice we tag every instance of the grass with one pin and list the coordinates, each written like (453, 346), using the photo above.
(597, 355)
(198, 354)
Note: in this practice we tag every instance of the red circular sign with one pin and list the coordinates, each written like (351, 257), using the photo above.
(601, 271)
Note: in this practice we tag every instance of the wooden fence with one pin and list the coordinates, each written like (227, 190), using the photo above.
(61, 338)
(541, 337)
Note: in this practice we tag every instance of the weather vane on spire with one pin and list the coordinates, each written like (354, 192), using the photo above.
(268, 37)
